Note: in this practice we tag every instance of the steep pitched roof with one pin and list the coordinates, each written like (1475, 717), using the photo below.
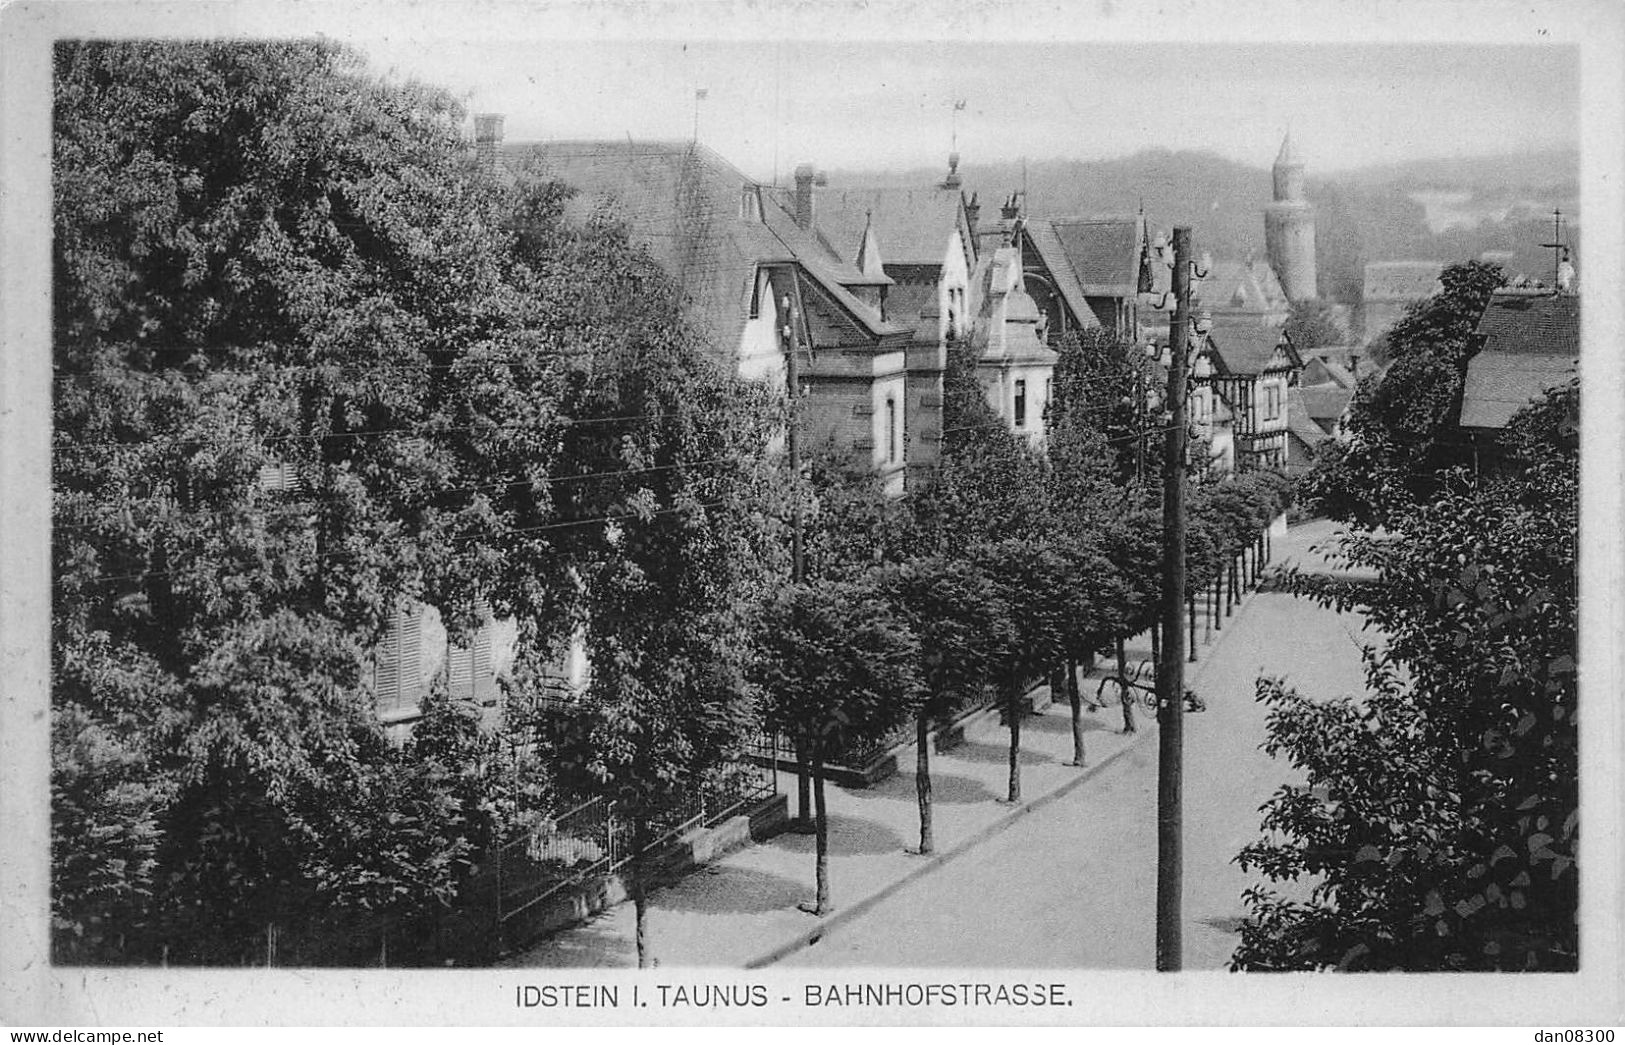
(1318, 370)
(1324, 402)
(913, 225)
(1242, 286)
(1300, 420)
(1248, 348)
(1531, 343)
(1046, 245)
(700, 218)
(1288, 156)
(1401, 280)
(1104, 253)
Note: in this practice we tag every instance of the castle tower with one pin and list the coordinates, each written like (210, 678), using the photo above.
(1289, 227)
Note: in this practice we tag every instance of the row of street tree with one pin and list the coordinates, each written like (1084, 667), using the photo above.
(268, 262)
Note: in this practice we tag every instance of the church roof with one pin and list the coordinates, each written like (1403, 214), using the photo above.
(1531, 343)
(694, 213)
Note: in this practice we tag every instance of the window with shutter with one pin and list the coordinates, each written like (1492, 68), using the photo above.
(470, 674)
(398, 670)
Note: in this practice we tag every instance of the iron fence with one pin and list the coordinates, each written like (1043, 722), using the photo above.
(781, 748)
(590, 840)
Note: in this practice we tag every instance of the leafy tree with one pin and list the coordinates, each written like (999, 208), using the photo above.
(1396, 455)
(961, 627)
(1031, 577)
(989, 483)
(1311, 325)
(1440, 815)
(664, 587)
(837, 666)
(1106, 386)
(268, 262)
(1085, 514)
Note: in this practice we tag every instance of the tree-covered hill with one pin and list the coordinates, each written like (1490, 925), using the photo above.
(1497, 203)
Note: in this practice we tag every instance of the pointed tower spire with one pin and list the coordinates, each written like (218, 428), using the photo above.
(868, 261)
(1288, 156)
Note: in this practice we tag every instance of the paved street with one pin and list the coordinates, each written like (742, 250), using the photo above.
(1073, 885)
(1069, 883)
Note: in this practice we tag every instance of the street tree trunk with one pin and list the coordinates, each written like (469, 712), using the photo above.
(1125, 691)
(821, 904)
(922, 779)
(1013, 710)
(803, 822)
(640, 891)
(1075, 699)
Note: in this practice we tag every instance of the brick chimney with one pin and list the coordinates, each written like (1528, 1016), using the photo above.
(488, 139)
(805, 181)
(973, 210)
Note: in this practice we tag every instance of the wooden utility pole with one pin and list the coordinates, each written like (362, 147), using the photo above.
(798, 560)
(1171, 665)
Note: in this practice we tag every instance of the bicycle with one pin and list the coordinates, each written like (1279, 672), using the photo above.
(1146, 694)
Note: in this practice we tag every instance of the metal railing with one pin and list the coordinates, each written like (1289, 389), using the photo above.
(590, 840)
(782, 749)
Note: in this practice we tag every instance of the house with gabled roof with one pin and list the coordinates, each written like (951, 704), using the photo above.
(1086, 272)
(1527, 341)
(924, 239)
(1315, 415)
(762, 283)
(1253, 368)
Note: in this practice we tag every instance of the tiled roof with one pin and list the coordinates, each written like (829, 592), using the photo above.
(1242, 286)
(1324, 402)
(1104, 252)
(913, 226)
(687, 206)
(1499, 386)
(1246, 348)
(1041, 237)
(1300, 420)
(1531, 343)
(1401, 280)
(1319, 370)
(1531, 323)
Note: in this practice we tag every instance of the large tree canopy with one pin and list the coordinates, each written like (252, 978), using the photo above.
(1395, 456)
(314, 364)
(1438, 824)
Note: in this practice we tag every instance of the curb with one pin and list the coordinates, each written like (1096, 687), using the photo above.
(847, 914)
(844, 915)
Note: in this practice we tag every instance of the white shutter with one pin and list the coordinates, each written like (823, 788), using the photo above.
(398, 676)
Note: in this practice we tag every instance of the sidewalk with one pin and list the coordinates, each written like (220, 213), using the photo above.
(741, 911)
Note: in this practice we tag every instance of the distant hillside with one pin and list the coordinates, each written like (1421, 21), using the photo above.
(1448, 210)
(1536, 171)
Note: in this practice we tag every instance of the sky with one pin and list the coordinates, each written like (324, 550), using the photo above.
(771, 104)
